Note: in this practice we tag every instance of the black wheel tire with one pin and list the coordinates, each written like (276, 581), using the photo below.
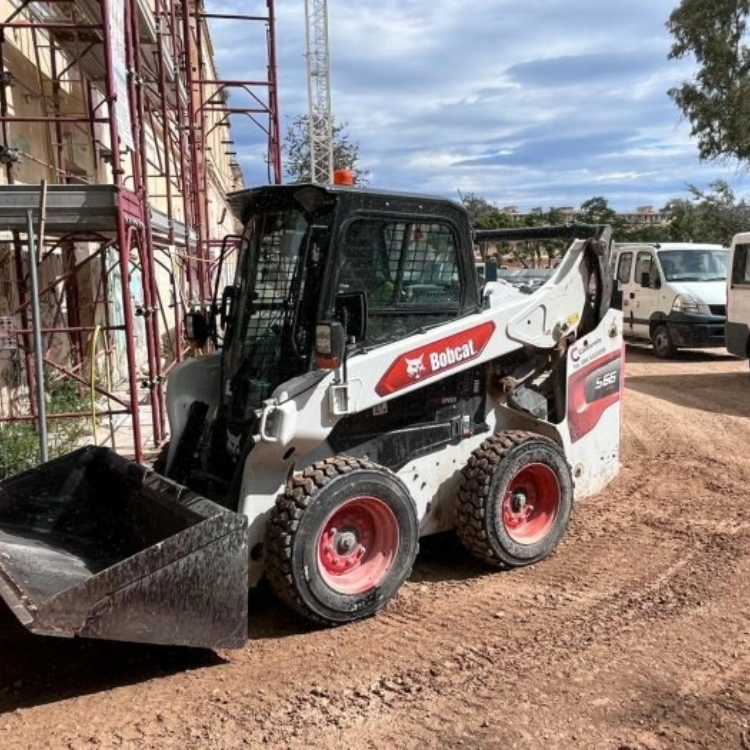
(664, 347)
(338, 513)
(515, 500)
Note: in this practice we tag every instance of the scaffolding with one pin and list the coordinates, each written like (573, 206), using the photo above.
(117, 154)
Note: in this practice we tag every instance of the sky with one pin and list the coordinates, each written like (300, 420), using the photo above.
(531, 104)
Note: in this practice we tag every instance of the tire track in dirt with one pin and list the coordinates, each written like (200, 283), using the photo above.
(424, 629)
(622, 616)
(447, 669)
(693, 573)
(633, 635)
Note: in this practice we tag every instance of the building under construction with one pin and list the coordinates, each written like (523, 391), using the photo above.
(115, 159)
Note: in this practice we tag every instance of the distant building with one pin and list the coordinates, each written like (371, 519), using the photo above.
(645, 215)
(642, 216)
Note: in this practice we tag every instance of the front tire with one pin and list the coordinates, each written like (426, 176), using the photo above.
(664, 347)
(515, 499)
(341, 540)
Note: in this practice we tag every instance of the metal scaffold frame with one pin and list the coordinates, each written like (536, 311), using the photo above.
(155, 150)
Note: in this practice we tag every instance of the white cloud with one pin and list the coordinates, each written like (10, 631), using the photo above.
(545, 103)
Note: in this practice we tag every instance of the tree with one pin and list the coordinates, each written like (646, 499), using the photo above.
(717, 100)
(554, 249)
(485, 215)
(713, 216)
(556, 216)
(479, 208)
(297, 151)
(648, 232)
(684, 226)
(597, 210)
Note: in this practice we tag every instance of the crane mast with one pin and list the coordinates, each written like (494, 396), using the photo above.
(319, 92)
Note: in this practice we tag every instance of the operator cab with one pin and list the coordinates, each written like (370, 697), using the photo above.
(375, 266)
(383, 265)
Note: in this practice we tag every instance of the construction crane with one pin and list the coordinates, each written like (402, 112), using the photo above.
(319, 92)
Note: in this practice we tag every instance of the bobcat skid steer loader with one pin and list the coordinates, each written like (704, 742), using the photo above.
(364, 392)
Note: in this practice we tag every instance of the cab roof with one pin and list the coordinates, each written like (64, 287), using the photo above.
(310, 197)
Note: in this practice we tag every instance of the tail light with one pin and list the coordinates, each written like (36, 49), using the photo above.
(329, 345)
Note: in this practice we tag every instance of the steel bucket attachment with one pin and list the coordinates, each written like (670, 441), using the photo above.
(97, 546)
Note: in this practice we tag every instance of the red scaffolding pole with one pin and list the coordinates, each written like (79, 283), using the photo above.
(131, 86)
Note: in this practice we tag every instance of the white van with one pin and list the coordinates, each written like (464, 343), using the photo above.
(738, 296)
(671, 294)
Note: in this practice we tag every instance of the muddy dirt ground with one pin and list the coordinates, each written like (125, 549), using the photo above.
(635, 635)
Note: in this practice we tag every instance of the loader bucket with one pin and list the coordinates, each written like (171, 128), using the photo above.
(94, 545)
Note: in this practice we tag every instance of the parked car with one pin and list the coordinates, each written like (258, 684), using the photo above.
(673, 295)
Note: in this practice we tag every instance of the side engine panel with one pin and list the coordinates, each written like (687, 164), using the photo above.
(397, 431)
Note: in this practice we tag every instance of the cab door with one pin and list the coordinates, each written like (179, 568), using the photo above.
(645, 292)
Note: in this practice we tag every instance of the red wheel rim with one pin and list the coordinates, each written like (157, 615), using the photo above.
(531, 503)
(358, 544)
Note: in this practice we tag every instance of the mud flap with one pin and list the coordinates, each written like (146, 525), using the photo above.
(94, 545)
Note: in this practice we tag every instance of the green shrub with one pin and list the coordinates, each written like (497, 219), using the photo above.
(19, 441)
(19, 448)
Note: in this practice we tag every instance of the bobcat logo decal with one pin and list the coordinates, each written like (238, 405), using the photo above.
(415, 367)
(435, 358)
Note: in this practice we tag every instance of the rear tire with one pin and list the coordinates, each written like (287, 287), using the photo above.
(664, 347)
(515, 499)
(341, 540)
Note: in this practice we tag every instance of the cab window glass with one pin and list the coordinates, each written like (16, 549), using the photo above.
(624, 265)
(408, 271)
(646, 270)
(696, 264)
(741, 265)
